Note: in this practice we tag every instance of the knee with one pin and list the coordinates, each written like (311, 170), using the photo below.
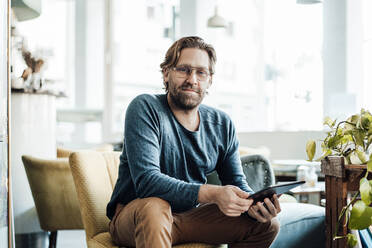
(274, 227)
(268, 230)
(263, 233)
(154, 208)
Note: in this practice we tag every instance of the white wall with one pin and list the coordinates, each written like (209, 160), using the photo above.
(282, 145)
(342, 56)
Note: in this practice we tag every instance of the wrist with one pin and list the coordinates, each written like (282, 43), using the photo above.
(207, 193)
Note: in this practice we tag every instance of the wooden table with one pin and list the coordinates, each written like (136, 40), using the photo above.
(340, 179)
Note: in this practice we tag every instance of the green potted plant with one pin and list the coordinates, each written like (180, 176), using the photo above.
(351, 139)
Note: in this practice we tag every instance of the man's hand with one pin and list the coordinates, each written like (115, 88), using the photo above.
(231, 200)
(265, 214)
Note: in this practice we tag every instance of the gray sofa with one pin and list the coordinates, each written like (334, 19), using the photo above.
(301, 225)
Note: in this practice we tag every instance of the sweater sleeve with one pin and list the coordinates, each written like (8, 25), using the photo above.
(142, 139)
(230, 171)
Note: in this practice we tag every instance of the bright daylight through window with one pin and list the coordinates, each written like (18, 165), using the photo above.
(267, 62)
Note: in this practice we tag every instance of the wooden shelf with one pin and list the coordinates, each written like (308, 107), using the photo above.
(340, 180)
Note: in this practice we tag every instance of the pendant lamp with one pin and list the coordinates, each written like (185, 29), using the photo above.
(26, 9)
(217, 21)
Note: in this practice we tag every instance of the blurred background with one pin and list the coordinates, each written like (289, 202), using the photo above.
(282, 66)
(271, 72)
(275, 71)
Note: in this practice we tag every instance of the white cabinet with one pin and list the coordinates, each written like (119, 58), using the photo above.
(33, 122)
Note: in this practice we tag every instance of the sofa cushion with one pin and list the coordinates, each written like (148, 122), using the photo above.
(301, 225)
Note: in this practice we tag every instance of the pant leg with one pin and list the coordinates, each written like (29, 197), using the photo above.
(142, 223)
(149, 222)
(209, 225)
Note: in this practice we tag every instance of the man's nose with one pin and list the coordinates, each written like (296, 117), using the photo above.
(192, 77)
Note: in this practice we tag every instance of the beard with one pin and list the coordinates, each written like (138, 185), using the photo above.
(185, 100)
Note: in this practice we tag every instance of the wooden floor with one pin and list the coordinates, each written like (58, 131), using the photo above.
(65, 239)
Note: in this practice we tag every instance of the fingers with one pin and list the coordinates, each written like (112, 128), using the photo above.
(264, 212)
(243, 202)
(234, 207)
(230, 201)
(241, 193)
(268, 211)
(237, 205)
(277, 204)
(255, 213)
(242, 198)
(232, 213)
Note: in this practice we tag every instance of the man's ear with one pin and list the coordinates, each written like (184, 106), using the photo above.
(210, 82)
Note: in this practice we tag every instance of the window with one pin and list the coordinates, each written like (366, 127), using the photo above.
(51, 37)
(137, 51)
(268, 62)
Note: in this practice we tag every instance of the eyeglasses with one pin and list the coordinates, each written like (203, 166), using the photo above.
(184, 71)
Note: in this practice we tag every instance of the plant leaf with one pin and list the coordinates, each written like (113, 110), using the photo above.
(346, 138)
(329, 122)
(324, 146)
(348, 158)
(359, 137)
(354, 159)
(360, 217)
(365, 191)
(310, 149)
(348, 127)
(351, 240)
(325, 154)
(369, 165)
(362, 156)
(334, 141)
(366, 120)
(353, 119)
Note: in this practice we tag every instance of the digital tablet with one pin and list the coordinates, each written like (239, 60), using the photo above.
(279, 189)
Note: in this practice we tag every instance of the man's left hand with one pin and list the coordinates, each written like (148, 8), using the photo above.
(264, 213)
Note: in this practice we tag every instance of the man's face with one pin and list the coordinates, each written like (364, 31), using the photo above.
(188, 91)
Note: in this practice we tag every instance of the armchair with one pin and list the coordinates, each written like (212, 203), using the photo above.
(95, 175)
(54, 195)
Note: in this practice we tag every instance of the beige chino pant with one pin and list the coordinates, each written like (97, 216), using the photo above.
(149, 222)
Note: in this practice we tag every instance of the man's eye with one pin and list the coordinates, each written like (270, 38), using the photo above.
(182, 69)
(201, 72)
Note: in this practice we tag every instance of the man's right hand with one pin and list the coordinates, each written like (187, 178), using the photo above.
(231, 200)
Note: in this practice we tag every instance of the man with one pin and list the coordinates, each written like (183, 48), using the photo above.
(172, 142)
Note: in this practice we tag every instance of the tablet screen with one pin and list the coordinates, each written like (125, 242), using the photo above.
(276, 189)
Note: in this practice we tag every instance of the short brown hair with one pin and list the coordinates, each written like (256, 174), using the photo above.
(173, 54)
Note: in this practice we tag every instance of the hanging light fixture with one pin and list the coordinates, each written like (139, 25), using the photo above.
(26, 9)
(217, 21)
